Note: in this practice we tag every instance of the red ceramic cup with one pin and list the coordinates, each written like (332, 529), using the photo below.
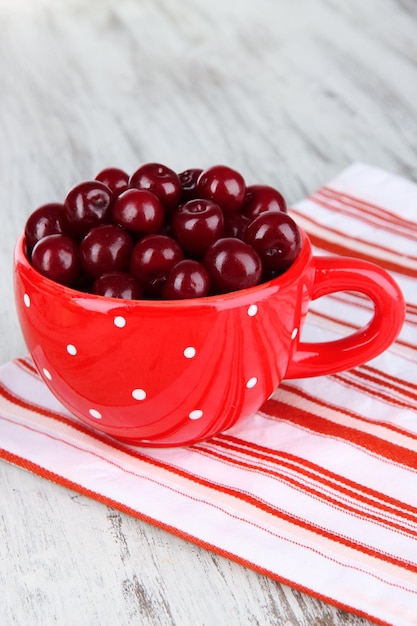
(169, 373)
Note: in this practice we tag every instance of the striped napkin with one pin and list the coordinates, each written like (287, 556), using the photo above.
(319, 488)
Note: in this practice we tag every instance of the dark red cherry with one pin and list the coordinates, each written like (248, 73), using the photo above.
(152, 259)
(138, 210)
(188, 179)
(232, 264)
(224, 186)
(117, 285)
(187, 279)
(276, 238)
(196, 224)
(160, 180)
(261, 198)
(115, 179)
(56, 257)
(235, 224)
(48, 219)
(106, 248)
(88, 205)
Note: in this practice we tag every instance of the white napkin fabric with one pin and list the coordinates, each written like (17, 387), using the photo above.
(318, 489)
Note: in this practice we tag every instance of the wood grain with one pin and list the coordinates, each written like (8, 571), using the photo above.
(289, 92)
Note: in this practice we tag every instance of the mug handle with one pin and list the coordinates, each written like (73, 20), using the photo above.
(334, 274)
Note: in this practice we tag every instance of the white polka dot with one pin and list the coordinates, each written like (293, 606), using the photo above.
(96, 414)
(195, 415)
(190, 352)
(139, 394)
(251, 382)
(72, 350)
(252, 310)
(26, 300)
(294, 333)
(119, 321)
(47, 373)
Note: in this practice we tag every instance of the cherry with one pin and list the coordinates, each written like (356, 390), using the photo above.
(232, 264)
(117, 285)
(188, 179)
(276, 238)
(161, 181)
(106, 248)
(87, 205)
(224, 186)
(235, 224)
(196, 224)
(48, 219)
(182, 235)
(187, 279)
(138, 210)
(115, 179)
(56, 257)
(152, 259)
(261, 198)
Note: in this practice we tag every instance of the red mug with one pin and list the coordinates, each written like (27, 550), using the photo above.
(170, 373)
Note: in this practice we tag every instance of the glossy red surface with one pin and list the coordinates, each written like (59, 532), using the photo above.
(176, 372)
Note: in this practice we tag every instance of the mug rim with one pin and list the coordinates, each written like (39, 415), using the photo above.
(69, 293)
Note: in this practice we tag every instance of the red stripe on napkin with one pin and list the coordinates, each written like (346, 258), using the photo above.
(364, 212)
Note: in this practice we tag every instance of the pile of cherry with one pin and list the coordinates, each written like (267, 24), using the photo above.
(158, 234)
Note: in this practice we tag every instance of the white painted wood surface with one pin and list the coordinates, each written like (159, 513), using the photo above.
(286, 91)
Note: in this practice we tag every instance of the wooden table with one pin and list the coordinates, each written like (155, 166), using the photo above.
(289, 92)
